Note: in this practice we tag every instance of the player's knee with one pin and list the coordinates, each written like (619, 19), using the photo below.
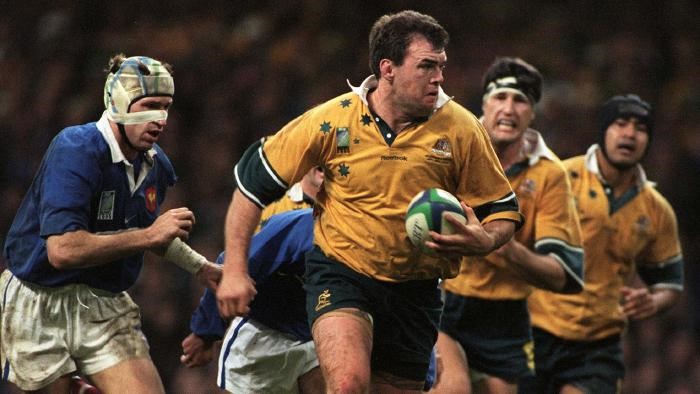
(349, 383)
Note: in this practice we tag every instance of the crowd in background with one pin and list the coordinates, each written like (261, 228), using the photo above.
(245, 68)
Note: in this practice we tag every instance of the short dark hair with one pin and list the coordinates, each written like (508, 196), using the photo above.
(391, 35)
(529, 79)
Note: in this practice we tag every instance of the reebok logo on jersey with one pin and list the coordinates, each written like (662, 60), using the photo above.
(105, 211)
(324, 299)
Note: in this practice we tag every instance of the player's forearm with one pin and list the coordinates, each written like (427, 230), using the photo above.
(80, 249)
(539, 270)
(500, 231)
(242, 218)
(665, 298)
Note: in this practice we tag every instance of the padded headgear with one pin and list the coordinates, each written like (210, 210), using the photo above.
(625, 107)
(137, 77)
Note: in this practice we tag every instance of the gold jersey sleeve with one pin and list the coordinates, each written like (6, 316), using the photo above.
(547, 204)
(643, 231)
(369, 181)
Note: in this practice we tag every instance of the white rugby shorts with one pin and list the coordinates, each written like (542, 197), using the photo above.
(257, 359)
(46, 332)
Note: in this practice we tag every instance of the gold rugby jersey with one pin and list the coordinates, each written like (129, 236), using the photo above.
(372, 175)
(551, 227)
(639, 232)
(293, 199)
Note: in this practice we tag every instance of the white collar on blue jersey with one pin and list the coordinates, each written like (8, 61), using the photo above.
(117, 154)
(371, 82)
(592, 166)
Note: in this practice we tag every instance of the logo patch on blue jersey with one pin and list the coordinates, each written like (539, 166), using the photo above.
(342, 137)
(105, 211)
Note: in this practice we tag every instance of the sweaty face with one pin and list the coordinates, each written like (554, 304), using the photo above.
(507, 115)
(142, 136)
(416, 81)
(626, 142)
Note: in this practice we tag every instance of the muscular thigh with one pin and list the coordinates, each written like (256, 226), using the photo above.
(137, 375)
(404, 315)
(343, 340)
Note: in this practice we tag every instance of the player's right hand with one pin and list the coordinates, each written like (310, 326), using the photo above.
(174, 223)
(236, 291)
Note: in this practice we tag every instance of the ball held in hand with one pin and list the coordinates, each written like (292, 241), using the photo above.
(427, 212)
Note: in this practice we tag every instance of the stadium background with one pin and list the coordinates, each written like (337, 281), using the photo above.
(244, 68)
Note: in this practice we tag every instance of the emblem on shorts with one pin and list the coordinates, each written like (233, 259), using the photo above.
(324, 299)
(529, 349)
(342, 137)
(150, 196)
(105, 211)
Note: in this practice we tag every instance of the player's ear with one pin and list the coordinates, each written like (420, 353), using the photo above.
(386, 68)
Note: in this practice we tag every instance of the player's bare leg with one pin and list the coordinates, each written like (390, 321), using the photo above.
(59, 386)
(343, 340)
(453, 368)
(312, 382)
(569, 389)
(388, 384)
(494, 385)
(136, 375)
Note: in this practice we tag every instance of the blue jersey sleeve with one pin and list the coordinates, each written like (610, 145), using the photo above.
(205, 321)
(70, 175)
(282, 242)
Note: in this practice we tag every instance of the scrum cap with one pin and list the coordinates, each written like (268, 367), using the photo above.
(625, 107)
(137, 77)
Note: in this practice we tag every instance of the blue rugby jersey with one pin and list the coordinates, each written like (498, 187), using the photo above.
(82, 184)
(276, 263)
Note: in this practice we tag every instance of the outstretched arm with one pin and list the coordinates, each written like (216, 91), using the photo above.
(540, 270)
(237, 289)
(80, 248)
